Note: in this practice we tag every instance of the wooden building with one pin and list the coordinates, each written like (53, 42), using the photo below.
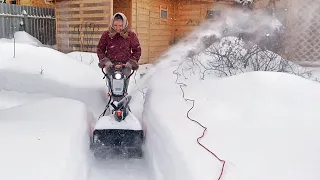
(158, 23)
(35, 3)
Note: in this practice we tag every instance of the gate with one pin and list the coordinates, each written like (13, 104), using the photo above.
(38, 22)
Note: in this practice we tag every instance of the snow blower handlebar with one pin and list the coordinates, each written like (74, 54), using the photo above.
(116, 67)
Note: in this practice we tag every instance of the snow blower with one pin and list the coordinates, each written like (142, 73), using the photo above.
(117, 131)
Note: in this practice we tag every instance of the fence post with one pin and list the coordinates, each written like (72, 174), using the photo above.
(25, 21)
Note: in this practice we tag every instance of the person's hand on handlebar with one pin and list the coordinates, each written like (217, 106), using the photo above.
(105, 63)
(132, 64)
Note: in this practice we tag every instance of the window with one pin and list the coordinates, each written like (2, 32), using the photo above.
(164, 14)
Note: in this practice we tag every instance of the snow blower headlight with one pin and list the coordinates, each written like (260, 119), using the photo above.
(118, 76)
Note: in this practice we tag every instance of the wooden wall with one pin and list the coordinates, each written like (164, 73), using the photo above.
(155, 34)
(189, 15)
(35, 3)
(124, 7)
(161, 30)
(25, 2)
(80, 23)
(41, 3)
(141, 25)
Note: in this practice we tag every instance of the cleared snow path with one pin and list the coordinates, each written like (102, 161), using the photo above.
(118, 170)
(100, 169)
(115, 169)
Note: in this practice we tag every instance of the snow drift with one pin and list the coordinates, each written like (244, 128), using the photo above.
(46, 71)
(47, 139)
(23, 37)
(264, 124)
(258, 109)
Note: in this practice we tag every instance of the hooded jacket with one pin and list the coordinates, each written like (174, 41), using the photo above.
(119, 47)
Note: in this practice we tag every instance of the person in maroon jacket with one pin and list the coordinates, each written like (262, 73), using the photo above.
(119, 44)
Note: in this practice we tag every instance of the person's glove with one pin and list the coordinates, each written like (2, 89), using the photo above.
(132, 64)
(105, 62)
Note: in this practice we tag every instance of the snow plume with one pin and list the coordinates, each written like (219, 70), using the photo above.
(252, 26)
(249, 25)
(255, 26)
(240, 41)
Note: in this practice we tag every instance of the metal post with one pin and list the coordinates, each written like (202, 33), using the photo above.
(14, 46)
(25, 21)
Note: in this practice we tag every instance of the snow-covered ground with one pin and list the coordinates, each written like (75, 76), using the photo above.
(263, 125)
(22, 37)
(46, 139)
(121, 169)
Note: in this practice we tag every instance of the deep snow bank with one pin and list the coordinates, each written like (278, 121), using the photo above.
(46, 71)
(10, 99)
(252, 117)
(264, 124)
(45, 139)
(22, 37)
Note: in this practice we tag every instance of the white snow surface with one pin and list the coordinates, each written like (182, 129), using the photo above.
(46, 71)
(47, 139)
(263, 124)
(22, 37)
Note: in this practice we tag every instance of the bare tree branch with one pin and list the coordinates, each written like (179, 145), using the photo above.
(231, 56)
